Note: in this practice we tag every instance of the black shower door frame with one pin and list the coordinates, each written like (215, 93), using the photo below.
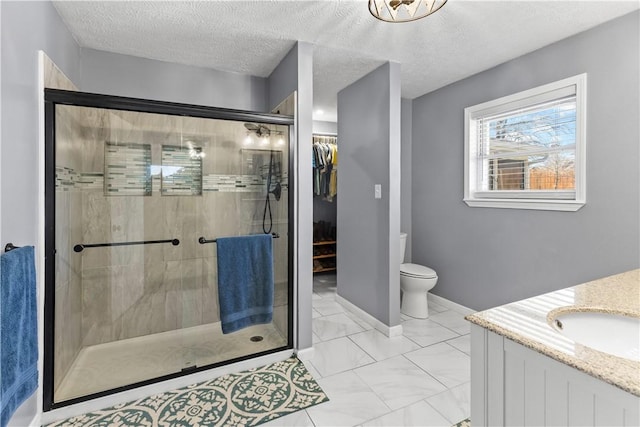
(54, 97)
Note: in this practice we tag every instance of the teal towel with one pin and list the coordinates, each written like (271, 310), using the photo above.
(18, 330)
(245, 281)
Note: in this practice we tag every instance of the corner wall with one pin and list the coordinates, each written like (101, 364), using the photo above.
(27, 27)
(295, 74)
(485, 257)
(368, 228)
(321, 126)
(405, 176)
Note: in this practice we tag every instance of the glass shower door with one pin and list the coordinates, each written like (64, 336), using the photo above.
(140, 201)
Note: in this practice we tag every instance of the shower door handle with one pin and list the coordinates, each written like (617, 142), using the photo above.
(82, 246)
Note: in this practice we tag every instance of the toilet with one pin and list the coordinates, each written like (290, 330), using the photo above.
(415, 281)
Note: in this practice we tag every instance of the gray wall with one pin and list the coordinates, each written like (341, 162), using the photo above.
(405, 175)
(295, 73)
(486, 257)
(283, 79)
(124, 75)
(368, 228)
(26, 28)
(320, 126)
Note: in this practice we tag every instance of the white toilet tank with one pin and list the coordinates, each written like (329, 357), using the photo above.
(403, 246)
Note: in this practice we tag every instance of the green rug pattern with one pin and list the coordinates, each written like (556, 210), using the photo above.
(247, 398)
(463, 423)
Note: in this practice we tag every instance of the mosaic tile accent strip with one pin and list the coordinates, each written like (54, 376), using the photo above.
(87, 181)
(65, 178)
(181, 171)
(127, 169)
(238, 183)
(233, 183)
(68, 179)
(247, 398)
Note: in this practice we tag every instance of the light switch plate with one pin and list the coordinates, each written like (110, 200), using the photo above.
(377, 189)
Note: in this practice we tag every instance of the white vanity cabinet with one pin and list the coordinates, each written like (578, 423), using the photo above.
(512, 385)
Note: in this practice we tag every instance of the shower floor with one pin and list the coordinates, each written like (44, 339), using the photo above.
(106, 366)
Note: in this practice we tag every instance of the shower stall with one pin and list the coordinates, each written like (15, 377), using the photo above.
(137, 193)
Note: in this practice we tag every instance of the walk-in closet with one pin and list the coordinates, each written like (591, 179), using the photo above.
(325, 195)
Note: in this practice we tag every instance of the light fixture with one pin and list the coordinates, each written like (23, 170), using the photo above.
(403, 10)
(196, 153)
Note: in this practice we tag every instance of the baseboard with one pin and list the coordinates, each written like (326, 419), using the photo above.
(27, 413)
(390, 331)
(450, 304)
(305, 353)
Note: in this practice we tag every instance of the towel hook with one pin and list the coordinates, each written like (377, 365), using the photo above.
(9, 247)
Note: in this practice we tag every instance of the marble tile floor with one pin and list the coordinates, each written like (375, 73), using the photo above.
(418, 379)
(119, 363)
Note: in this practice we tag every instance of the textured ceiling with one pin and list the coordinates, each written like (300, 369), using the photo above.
(251, 37)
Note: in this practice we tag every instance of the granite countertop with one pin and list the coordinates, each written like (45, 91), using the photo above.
(528, 322)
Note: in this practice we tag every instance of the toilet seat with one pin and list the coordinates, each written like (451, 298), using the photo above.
(417, 271)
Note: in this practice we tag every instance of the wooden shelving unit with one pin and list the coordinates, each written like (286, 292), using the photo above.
(331, 254)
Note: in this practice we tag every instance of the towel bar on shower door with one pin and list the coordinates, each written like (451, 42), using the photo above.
(81, 247)
(202, 239)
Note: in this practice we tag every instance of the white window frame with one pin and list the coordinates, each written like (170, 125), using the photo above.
(556, 200)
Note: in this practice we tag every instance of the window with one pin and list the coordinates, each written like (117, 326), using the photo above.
(527, 150)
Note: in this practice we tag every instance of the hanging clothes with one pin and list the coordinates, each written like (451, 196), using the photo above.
(325, 163)
(333, 188)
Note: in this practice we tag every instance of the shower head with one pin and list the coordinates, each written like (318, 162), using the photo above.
(260, 130)
(252, 127)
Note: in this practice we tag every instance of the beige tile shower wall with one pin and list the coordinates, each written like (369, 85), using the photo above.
(68, 290)
(132, 291)
(68, 310)
(54, 78)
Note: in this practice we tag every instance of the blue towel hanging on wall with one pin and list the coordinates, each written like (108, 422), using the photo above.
(245, 281)
(18, 330)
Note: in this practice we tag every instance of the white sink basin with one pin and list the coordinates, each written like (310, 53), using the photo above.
(609, 333)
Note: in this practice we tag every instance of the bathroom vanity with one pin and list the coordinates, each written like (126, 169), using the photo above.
(527, 370)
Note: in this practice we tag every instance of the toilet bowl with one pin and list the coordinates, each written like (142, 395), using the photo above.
(415, 282)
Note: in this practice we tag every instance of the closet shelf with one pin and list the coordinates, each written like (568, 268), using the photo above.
(320, 270)
(324, 256)
(325, 242)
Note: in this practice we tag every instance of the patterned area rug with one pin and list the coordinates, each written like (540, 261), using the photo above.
(247, 398)
(463, 423)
